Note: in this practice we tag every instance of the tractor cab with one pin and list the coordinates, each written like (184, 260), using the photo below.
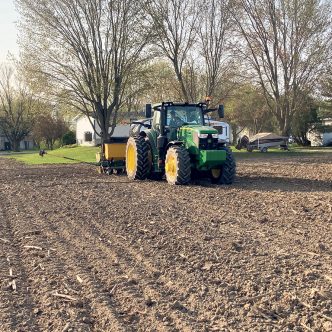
(170, 117)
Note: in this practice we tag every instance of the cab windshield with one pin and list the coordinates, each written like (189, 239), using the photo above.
(177, 116)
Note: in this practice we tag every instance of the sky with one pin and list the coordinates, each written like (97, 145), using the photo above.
(8, 30)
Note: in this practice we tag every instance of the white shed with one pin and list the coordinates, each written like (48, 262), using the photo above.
(86, 136)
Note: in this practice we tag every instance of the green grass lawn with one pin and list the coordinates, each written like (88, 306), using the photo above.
(58, 156)
(294, 151)
(88, 154)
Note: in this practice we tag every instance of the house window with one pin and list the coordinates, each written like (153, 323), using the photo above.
(7, 146)
(88, 136)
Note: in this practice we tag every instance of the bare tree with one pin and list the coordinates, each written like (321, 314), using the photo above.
(87, 51)
(174, 23)
(49, 129)
(326, 86)
(287, 45)
(247, 109)
(213, 34)
(16, 108)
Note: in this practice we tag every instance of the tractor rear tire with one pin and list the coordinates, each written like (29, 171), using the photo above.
(177, 165)
(137, 162)
(226, 173)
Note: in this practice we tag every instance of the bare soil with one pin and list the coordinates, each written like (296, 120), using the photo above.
(81, 251)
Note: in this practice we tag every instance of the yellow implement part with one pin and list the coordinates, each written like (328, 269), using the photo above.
(98, 157)
(115, 151)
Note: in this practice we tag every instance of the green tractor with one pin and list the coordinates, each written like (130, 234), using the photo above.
(176, 143)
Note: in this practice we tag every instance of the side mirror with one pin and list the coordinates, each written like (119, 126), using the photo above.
(221, 111)
(148, 110)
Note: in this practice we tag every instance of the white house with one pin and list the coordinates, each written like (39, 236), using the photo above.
(322, 138)
(85, 135)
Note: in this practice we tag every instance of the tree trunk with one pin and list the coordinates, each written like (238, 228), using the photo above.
(180, 80)
(285, 129)
(302, 139)
(104, 136)
(234, 133)
(15, 145)
(104, 127)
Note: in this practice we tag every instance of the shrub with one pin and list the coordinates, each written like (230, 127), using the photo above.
(69, 138)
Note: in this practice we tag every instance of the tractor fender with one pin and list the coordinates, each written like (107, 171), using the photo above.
(171, 143)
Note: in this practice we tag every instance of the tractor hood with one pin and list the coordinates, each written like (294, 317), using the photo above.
(196, 138)
(192, 135)
(198, 129)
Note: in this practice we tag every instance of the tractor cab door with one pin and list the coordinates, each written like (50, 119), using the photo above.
(155, 132)
(172, 124)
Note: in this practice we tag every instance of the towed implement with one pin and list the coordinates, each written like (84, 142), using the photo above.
(112, 158)
(177, 143)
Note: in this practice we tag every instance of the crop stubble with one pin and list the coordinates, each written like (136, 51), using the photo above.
(80, 251)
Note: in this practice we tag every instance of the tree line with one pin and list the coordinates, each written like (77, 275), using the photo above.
(268, 61)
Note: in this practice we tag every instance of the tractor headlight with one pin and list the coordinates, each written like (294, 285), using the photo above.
(214, 135)
(203, 135)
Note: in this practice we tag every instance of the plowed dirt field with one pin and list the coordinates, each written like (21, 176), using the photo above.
(80, 251)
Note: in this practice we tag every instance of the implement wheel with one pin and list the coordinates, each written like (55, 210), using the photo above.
(137, 162)
(226, 173)
(177, 165)
(100, 169)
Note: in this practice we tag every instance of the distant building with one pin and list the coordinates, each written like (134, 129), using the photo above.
(26, 144)
(324, 137)
(85, 134)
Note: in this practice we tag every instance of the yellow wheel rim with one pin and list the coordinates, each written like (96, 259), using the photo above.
(170, 167)
(131, 159)
(216, 172)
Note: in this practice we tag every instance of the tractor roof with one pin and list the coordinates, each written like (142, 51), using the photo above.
(171, 103)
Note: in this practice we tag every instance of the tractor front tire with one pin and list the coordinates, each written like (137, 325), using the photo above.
(226, 173)
(137, 162)
(177, 165)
